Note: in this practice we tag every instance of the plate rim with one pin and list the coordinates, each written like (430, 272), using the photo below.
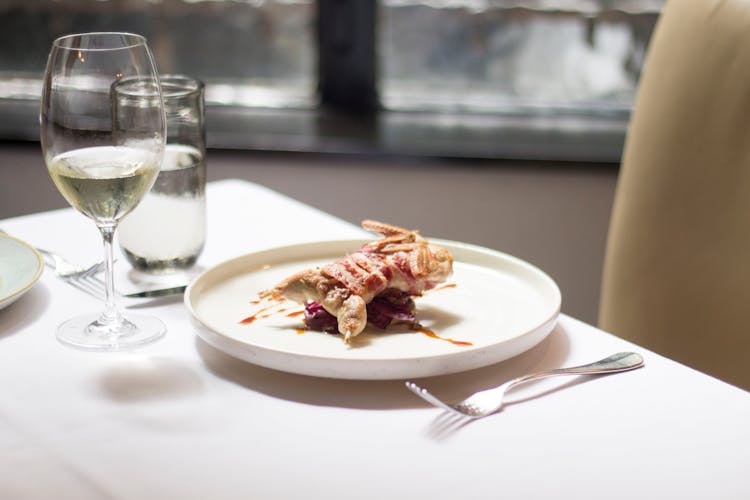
(362, 368)
(15, 295)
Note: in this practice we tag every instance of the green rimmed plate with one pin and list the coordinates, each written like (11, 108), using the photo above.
(20, 268)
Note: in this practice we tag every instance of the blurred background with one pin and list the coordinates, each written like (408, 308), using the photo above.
(497, 122)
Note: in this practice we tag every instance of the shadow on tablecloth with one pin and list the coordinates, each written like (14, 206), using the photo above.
(16, 316)
(381, 395)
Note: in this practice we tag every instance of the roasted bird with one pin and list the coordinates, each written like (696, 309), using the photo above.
(391, 270)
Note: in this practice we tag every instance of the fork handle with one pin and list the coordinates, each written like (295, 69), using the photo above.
(620, 362)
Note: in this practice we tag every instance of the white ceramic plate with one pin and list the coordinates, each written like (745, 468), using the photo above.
(503, 306)
(20, 267)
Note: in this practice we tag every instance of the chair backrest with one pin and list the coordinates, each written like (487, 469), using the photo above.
(677, 267)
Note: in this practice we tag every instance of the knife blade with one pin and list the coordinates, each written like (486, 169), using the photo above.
(159, 292)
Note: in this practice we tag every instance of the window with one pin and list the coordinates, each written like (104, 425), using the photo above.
(550, 79)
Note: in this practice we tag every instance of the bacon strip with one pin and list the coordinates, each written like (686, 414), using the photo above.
(401, 260)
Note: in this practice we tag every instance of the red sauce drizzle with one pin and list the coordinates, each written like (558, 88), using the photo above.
(257, 314)
(443, 287)
(270, 310)
(267, 312)
(434, 335)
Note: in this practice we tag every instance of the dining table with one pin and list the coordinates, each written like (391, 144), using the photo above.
(184, 418)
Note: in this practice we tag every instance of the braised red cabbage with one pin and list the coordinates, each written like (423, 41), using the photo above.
(391, 305)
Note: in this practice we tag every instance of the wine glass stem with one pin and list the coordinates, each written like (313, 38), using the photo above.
(110, 315)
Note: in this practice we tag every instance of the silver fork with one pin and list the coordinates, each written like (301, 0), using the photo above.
(90, 283)
(487, 402)
(88, 280)
(83, 278)
(66, 270)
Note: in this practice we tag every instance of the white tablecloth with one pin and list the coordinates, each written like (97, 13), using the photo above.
(179, 419)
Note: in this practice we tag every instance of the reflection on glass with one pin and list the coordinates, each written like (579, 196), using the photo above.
(256, 53)
(513, 55)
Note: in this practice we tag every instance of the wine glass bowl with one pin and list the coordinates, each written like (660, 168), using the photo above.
(102, 131)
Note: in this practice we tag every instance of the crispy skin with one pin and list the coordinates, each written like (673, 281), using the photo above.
(401, 259)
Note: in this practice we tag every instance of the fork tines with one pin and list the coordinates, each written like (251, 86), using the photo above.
(91, 285)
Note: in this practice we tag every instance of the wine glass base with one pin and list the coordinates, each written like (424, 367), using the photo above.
(84, 332)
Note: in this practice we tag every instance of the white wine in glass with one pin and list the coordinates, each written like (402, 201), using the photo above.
(103, 132)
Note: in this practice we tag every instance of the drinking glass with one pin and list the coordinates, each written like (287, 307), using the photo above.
(103, 159)
(166, 233)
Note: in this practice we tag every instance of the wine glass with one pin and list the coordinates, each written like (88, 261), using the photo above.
(103, 132)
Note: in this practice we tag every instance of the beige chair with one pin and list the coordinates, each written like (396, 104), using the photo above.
(677, 268)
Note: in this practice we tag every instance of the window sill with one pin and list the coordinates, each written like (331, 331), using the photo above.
(564, 137)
